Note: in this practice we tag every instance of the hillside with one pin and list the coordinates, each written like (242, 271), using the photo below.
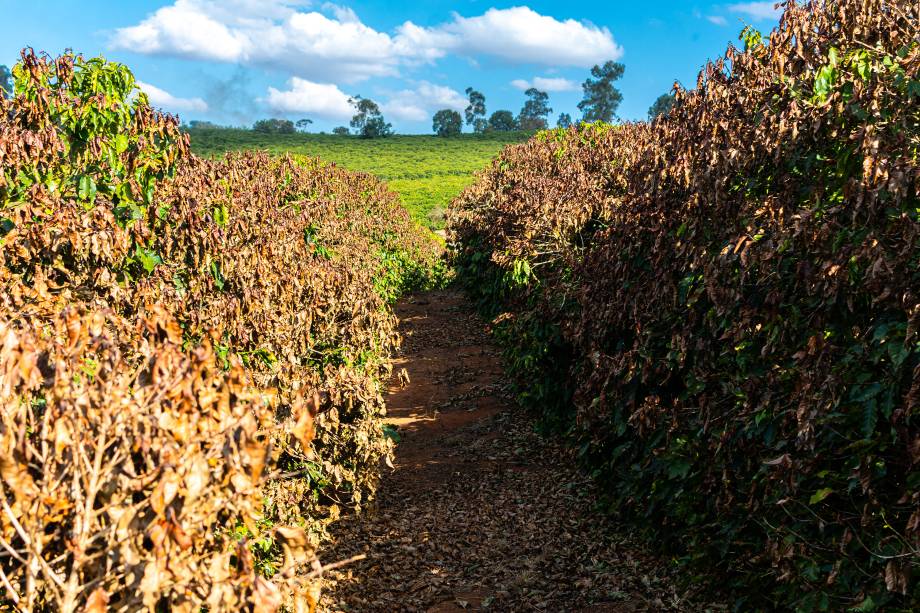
(426, 171)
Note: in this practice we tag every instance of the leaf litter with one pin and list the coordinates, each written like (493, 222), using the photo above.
(480, 512)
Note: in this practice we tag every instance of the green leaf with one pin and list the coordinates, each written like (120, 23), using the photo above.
(220, 215)
(180, 285)
(678, 468)
(820, 495)
(868, 392)
(217, 275)
(864, 68)
(866, 606)
(870, 417)
(147, 258)
(121, 143)
(86, 188)
(391, 433)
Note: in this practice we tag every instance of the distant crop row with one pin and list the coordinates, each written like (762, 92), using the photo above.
(721, 309)
(426, 171)
(190, 353)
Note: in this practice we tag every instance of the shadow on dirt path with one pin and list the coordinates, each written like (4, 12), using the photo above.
(480, 513)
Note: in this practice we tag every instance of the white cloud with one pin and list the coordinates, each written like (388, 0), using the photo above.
(182, 30)
(327, 101)
(422, 102)
(757, 10)
(334, 45)
(717, 19)
(424, 44)
(521, 35)
(345, 49)
(306, 44)
(341, 13)
(165, 100)
(319, 99)
(547, 84)
(252, 10)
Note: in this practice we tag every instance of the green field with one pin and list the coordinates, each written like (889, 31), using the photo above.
(427, 171)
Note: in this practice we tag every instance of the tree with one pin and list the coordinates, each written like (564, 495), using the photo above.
(564, 121)
(6, 82)
(274, 126)
(476, 111)
(502, 121)
(341, 131)
(447, 122)
(368, 121)
(661, 106)
(536, 110)
(601, 98)
(303, 124)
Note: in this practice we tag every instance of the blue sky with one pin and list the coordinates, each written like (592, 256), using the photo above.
(234, 61)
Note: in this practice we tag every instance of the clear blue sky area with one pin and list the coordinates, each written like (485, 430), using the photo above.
(235, 61)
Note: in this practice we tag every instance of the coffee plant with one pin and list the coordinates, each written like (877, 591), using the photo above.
(192, 353)
(720, 309)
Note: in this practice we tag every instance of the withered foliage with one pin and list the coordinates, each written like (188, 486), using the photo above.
(190, 354)
(729, 298)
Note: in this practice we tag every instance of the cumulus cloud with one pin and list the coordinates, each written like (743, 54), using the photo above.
(342, 13)
(717, 19)
(422, 44)
(182, 30)
(422, 102)
(334, 45)
(306, 44)
(163, 99)
(521, 35)
(757, 10)
(319, 99)
(547, 84)
(243, 11)
(327, 101)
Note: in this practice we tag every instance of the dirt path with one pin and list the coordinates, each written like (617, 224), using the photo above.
(479, 513)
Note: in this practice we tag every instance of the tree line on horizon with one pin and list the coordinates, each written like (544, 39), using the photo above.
(600, 102)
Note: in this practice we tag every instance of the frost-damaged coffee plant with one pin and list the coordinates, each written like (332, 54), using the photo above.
(721, 308)
(190, 354)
